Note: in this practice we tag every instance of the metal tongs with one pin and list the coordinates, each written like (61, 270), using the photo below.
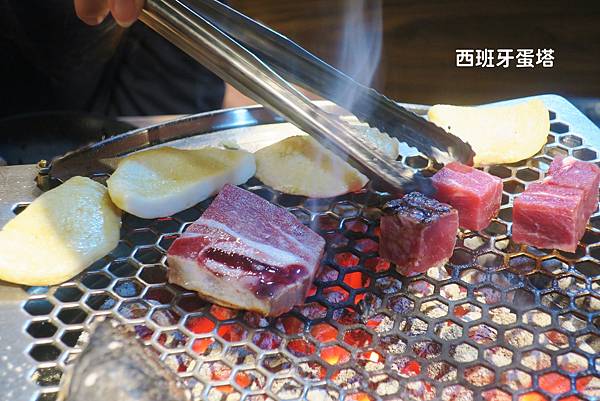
(246, 54)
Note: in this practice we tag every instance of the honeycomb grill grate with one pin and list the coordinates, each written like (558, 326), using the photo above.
(499, 321)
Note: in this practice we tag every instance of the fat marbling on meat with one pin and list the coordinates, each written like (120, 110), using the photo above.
(417, 233)
(247, 253)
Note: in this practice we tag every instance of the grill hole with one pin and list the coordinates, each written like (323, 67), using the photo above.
(72, 315)
(68, 294)
(47, 397)
(44, 352)
(47, 376)
(154, 274)
(70, 338)
(19, 207)
(42, 329)
(559, 128)
(122, 269)
(100, 302)
(38, 307)
(96, 281)
(127, 288)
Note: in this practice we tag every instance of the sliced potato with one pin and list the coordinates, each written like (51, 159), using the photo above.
(299, 165)
(163, 181)
(498, 134)
(59, 234)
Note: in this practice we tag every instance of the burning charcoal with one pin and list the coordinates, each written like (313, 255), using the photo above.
(247, 253)
(476, 195)
(115, 366)
(417, 233)
(549, 216)
(572, 173)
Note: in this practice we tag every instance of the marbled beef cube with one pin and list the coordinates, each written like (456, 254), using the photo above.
(475, 194)
(549, 216)
(417, 233)
(572, 173)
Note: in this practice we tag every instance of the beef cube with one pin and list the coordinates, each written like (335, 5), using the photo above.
(475, 194)
(247, 253)
(549, 216)
(572, 173)
(417, 233)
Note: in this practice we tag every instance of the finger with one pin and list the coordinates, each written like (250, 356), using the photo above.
(92, 12)
(125, 12)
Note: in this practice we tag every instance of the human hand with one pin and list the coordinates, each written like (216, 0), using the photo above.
(93, 12)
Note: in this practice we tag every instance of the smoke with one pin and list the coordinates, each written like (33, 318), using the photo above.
(360, 44)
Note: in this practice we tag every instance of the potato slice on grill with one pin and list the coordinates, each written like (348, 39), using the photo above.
(498, 134)
(163, 181)
(59, 234)
(299, 165)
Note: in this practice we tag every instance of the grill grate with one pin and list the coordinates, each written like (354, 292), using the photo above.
(499, 321)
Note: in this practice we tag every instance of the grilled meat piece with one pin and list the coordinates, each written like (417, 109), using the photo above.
(475, 194)
(247, 253)
(116, 366)
(417, 233)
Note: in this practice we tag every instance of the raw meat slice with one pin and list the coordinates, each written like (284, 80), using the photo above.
(572, 173)
(475, 194)
(417, 233)
(549, 216)
(247, 253)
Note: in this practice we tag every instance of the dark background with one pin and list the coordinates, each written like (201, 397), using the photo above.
(420, 38)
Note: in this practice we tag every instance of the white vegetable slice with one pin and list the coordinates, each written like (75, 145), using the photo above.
(498, 134)
(299, 165)
(59, 234)
(163, 181)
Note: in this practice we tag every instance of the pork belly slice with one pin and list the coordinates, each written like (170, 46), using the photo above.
(572, 173)
(247, 253)
(549, 216)
(417, 233)
(475, 194)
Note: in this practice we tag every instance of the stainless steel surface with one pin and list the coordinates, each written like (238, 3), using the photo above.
(218, 52)
(499, 320)
(17, 184)
(298, 66)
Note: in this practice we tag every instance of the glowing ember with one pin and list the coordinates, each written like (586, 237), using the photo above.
(346, 259)
(324, 332)
(222, 313)
(200, 325)
(232, 332)
(290, 325)
(533, 396)
(202, 346)
(356, 280)
(358, 338)
(554, 383)
(300, 348)
(334, 355)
